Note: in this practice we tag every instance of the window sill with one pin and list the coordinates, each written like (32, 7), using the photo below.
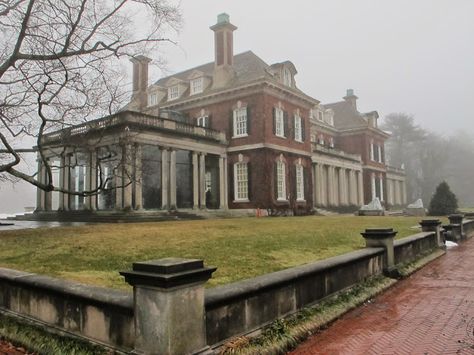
(276, 135)
(282, 200)
(241, 201)
(240, 136)
(298, 141)
(300, 200)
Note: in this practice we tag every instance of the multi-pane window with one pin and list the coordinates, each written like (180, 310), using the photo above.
(153, 99)
(372, 151)
(196, 86)
(298, 129)
(279, 123)
(173, 92)
(320, 116)
(203, 121)
(299, 182)
(240, 122)
(331, 142)
(241, 188)
(380, 153)
(281, 183)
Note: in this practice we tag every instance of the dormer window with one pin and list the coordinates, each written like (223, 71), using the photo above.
(320, 116)
(196, 86)
(287, 80)
(153, 99)
(173, 92)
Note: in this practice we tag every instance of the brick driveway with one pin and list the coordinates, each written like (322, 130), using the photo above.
(431, 312)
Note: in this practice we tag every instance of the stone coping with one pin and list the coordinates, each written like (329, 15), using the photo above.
(411, 238)
(245, 288)
(90, 294)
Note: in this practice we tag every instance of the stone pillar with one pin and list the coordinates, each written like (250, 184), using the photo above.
(222, 176)
(40, 200)
(138, 179)
(169, 307)
(173, 204)
(330, 181)
(61, 182)
(383, 237)
(433, 225)
(202, 180)
(47, 195)
(118, 187)
(372, 183)
(324, 184)
(66, 181)
(316, 182)
(360, 188)
(195, 180)
(165, 178)
(381, 187)
(127, 160)
(404, 193)
(90, 183)
(342, 187)
(456, 221)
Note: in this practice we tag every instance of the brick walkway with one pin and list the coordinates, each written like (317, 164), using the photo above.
(431, 312)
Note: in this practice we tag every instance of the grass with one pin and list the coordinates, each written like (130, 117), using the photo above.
(240, 248)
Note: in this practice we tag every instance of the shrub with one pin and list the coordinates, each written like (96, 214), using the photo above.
(443, 202)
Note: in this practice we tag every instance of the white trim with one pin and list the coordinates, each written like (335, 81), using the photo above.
(236, 183)
(196, 86)
(281, 184)
(298, 128)
(269, 146)
(243, 119)
(279, 122)
(299, 177)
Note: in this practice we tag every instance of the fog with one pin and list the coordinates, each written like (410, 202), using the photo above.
(399, 56)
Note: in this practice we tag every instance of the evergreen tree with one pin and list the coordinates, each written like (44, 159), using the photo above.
(443, 202)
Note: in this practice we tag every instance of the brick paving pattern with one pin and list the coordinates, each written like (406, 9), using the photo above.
(431, 312)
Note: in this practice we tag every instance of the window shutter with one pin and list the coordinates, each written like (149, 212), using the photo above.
(231, 124)
(285, 123)
(274, 120)
(249, 180)
(248, 120)
(208, 123)
(303, 132)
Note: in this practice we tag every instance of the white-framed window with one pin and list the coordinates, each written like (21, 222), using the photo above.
(372, 151)
(208, 180)
(287, 77)
(331, 142)
(240, 122)
(320, 115)
(281, 180)
(241, 182)
(203, 121)
(298, 129)
(279, 122)
(380, 153)
(196, 86)
(321, 139)
(152, 99)
(299, 182)
(173, 92)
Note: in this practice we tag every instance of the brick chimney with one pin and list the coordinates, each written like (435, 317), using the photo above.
(224, 51)
(140, 82)
(351, 98)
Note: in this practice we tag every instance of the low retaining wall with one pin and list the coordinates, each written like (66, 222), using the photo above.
(99, 314)
(109, 317)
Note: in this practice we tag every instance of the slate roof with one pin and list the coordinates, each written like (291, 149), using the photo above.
(247, 65)
(345, 117)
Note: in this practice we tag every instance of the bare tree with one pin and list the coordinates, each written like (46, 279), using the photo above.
(60, 65)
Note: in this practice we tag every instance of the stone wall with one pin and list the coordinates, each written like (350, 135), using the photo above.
(109, 317)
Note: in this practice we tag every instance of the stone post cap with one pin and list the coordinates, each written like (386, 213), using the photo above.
(430, 222)
(168, 273)
(455, 218)
(379, 233)
(140, 59)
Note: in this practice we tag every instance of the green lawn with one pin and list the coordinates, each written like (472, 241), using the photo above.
(240, 248)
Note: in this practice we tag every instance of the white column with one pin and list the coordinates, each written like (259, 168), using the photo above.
(119, 187)
(404, 192)
(353, 187)
(173, 204)
(222, 190)
(324, 185)
(127, 176)
(316, 197)
(360, 188)
(61, 182)
(374, 191)
(138, 179)
(381, 187)
(195, 180)
(329, 182)
(336, 186)
(40, 206)
(165, 178)
(88, 182)
(342, 187)
(66, 181)
(202, 180)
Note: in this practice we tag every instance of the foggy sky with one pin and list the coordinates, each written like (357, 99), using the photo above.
(406, 56)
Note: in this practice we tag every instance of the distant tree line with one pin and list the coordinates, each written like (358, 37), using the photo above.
(429, 159)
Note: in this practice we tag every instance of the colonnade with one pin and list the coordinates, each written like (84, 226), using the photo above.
(396, 192)
(127, 180)
(337, 186)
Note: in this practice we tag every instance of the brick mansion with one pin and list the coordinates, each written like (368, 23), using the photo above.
(235, 133)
